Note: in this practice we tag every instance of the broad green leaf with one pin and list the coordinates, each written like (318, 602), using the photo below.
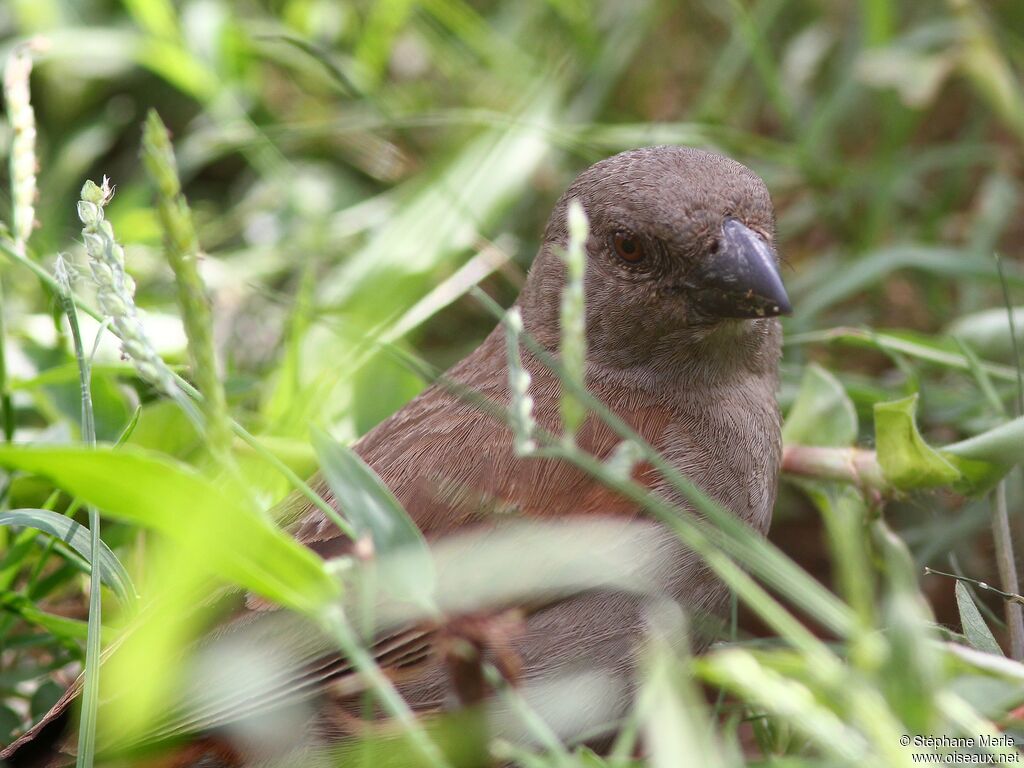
(975, 629)
(177, 609)
(906, 459)
(976, 477)
(984, 459)
(375, 512)
(77, 537)
(988, 332)
(219, 530)
(822, 413)
(1000, 445)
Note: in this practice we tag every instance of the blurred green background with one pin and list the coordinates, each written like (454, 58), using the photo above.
(345, 159)
(355, 168)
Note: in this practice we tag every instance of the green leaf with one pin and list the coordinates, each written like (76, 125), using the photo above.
(110, 405)
(822, 414)
(976, 477)
(77, 537)
(1003, 444)
(984, 459)
(58, 626)
(164, 427)
(375, 512)
(742, 673)
(676, 724)
(906, 459)
(942, 353)
(218, 529)
(975, 629)
(855, 275)
(988, 332)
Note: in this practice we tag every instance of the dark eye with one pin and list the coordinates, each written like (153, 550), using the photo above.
(627, 247)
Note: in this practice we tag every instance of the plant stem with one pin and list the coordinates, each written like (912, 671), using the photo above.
(181, 247)
(856, 466)
(977, 584)
(6, 408)
(1007, 566)
(90, 694)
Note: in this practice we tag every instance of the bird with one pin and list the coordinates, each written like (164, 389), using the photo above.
(683, 294)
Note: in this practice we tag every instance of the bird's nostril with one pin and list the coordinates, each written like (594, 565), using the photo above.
(715, 245)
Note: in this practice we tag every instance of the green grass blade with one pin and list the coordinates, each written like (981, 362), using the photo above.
(223, 534)
(76, 536)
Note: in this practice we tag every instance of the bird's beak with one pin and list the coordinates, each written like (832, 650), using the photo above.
(742, 279)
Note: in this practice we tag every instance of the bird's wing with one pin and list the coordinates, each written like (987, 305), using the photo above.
(452, 463)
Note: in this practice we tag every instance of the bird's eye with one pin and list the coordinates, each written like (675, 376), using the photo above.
(627, 247)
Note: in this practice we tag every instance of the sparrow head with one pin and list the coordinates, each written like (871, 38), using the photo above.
(681, 246)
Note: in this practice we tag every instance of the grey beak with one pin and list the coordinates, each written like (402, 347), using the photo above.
(742, 279)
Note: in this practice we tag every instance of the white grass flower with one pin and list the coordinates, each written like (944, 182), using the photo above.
(23, 143)
(115, 289)
(623, 459)
(574, 343)
(521, 406)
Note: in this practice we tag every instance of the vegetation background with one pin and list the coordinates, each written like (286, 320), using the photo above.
(354, 169)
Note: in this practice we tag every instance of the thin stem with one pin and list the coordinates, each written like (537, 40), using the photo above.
(855, 466)
(90, 695)
(977, 584)
(895, 344)
(1007, 566)
(334, 622)
(535, 724)
(181, 246)
(6, 408)
(1001, 534)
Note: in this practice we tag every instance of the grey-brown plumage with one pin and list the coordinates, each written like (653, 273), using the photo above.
(681, 289)
(698, 385)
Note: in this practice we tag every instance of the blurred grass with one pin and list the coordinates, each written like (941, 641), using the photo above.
(342, 160)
